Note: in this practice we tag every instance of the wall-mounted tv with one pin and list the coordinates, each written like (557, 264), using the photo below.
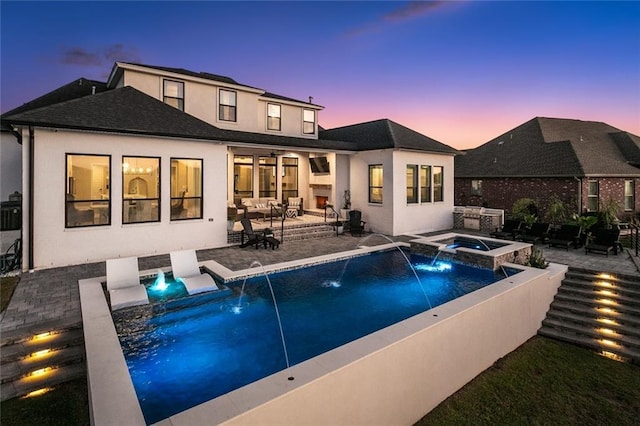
(319, 164)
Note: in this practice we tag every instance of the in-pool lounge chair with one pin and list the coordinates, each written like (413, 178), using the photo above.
(566, 236)
(510, 228)
(184, 265)
(123, 283)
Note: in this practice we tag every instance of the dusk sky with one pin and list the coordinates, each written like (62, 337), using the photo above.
(459, 72)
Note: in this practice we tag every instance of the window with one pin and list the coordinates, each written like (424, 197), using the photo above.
(289, 178)
(412, 183)
(140, 189)
(592, 196)
(267, 175)
(243, 176)
(309, 121)
(273, 117)
(438, 194)
(174, 94)
(186, 189)
(375, 184)
(227, 107)
(476, 187)
(425, 184)
(88, 200)
(629, 195)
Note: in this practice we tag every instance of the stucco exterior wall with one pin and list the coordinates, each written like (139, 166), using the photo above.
(379, 217)
(201, 101)
(427, 216)
(55, 245)
(11, 165)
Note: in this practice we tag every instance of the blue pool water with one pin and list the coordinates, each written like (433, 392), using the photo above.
(186, 356)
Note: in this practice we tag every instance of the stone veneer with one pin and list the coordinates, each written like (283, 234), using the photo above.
(512, 252)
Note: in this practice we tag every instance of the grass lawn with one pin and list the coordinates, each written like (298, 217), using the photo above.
(67, 404)
(542, 382)
(546, 382)
(7, 286)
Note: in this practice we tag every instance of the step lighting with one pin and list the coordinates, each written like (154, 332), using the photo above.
(41, 336)
(40, 353)
(37, 392)
(608, 342)
(606, 292)
(40, 372)
(607, 301)
(607, 321)
(606, 331)
(605, 276)
(604, 284)
(612, 356)
(608, 311)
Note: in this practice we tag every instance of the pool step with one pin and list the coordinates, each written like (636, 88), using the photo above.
(600, 311)
(45, 356)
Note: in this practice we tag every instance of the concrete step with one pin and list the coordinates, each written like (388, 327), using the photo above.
(596, 286)
(46, 354)
(56, 358)
(592, 276)
(594, 319)
(49, 378)
(25, 347)
(597, 302)
(600, 345)
(597, 333)
(600, 294)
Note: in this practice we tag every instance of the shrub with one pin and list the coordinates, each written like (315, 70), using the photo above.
(536, 259)
(525, 209)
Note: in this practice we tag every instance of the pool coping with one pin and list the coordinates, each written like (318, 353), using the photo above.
(112, 395)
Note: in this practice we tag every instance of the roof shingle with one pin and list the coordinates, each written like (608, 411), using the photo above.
(548, 147)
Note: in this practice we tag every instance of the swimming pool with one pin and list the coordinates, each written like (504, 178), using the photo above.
(191, 354)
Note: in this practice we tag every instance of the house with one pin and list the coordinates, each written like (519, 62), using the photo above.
(582, 163)
(148, 162)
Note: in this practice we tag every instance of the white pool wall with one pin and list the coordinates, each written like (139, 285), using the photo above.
(393, 376)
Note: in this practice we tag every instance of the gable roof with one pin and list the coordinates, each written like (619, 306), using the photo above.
(552, 147)
(76, 89)
(127, 110)
(385, 134)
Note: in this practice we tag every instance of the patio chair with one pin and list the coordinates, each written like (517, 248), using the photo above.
(12, 258)
(254, 238)
(356, 224)
(603, 241)
(184, 265)
(510, 228)
(538, 233)
(566, 236)
(123, 283)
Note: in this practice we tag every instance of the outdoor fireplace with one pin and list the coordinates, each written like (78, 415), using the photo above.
(321, 201)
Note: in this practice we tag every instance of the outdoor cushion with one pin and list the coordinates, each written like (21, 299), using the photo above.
(184, 265)
(123, 283)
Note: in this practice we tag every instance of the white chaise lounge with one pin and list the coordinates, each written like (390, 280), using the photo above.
(185, 268)
(123, 283)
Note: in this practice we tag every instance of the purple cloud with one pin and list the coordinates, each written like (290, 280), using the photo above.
(102, 57)
(410, 10)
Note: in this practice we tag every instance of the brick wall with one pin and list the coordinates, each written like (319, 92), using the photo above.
(501, 193)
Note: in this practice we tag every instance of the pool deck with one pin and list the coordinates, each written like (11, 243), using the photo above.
(49, 298)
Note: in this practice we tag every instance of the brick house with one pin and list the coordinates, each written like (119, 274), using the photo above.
(582, 163)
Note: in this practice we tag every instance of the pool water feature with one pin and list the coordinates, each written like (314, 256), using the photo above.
(193, 353)
(471, 250)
